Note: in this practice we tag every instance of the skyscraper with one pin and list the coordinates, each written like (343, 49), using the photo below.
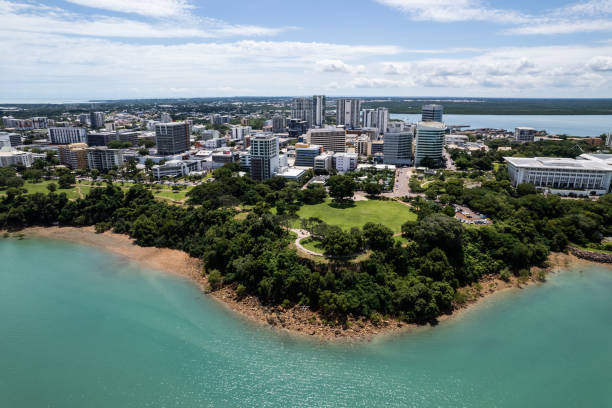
(318, 110)
(172, 138)
(368, 119)
(279, 124)
(97, 120)
(397, 148)
(347, 112)
(264, 156)
(433, 113)
(302, 109)
(429, 142)
(382, 120)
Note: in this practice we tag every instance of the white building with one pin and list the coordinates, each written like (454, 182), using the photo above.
(458, 140)
(345, 162)
(348, 112)
(429, 142)
(241, 132)
(524, 134)
(176, 168)
(67, 135)
(13, 157)
(324, 161)
(165, 117)
(589, 175)
(103, 158)
(368, 118)
(215, 143)
(264, 156)
(382, 120)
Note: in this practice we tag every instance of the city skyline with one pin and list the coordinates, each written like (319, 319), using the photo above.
(86, 49)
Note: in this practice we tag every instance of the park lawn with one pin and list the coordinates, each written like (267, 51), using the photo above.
(390, 213)
(313, 245)
(33, 188)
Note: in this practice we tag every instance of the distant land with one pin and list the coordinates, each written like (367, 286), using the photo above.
(457, 106)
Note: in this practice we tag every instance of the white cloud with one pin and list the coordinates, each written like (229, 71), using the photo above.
(454, 10)
(601, 63)
(38, 18)
(150, 8)
(335, 66)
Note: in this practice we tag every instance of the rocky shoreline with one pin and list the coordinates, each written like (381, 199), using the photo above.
(296, 320)
(593, 256)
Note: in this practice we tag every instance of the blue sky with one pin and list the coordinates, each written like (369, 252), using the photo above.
(90, 49)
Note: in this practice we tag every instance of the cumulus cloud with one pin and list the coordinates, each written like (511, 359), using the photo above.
(601, 64)
(338, 66)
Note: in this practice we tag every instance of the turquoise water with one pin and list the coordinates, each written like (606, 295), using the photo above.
(573, 125)
(82, 328)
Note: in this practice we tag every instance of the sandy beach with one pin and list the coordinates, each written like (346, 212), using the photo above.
(296, 320)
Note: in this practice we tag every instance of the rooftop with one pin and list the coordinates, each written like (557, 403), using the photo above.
(432, 125)
(557, 163)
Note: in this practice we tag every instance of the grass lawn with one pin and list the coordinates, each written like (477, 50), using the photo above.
(33, 188)
(313, 245)
(390, 213)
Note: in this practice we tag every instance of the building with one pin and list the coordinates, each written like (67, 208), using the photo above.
(264, 156)
(332, 139)
(67, 135)
(297, 128)
(84, 119)
(524, 134)
(12, 157)
(318, 110)
(347, 112)
(429, 142)
(279, 124)
(398, 145)
(587, 175)
(323, 162)
(215, 143)
(302, 109)
(305, 154)
(175, 168)
(10, 122)
(128, 137)
(368, 118)
(377, 146)
(10, 139)
(100, 138)
(96, 120)
(382, 120)
(457, 140)
(432, 113)
(73, 155)
(165, 117)
(40, 122)
(609, 140)
(363, 146)
(103, 158)
(240, 132)
(345, 162)
(172, 138)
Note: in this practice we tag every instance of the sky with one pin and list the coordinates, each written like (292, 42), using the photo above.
(118, 49)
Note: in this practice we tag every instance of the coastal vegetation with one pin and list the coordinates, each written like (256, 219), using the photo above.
(415, 279)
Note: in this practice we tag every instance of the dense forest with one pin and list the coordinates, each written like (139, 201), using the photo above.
(416, 280)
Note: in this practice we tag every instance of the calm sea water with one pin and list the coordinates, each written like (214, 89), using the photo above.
(573, 125)
(82, 328)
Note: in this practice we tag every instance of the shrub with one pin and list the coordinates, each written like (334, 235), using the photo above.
(241, 290)
(215, 280)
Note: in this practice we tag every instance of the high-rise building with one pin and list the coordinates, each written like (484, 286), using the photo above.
(332, 139)
(363, 146)
(97, 120)
(524, 134)
(100, 138)
(382, 120)
(429, 142)
(397, 148)
(264, 156)
(67, 135)
(73, 155)
(297, 128)
(165, 117)
(368, 118)
(172, 138)
(103, 158)
(240, 132)
(84, 119)
(279, 124)
(318, 110)
(40, 122)
(347, 112)
(433, 113)
(302, 109)
(305, 155)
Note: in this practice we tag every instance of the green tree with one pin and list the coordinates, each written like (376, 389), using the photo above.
(66, 181)
(341, 187)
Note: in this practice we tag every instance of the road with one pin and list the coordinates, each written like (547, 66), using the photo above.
(402, 183)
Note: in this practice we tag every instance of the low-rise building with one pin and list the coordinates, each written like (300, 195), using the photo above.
(73, 155)
(345, 162)
(524, 134)
(67, 135)
(176, 168)
(458, 140)
(585, 176)
(305, 154)
(103, 158)
(323, 162)
(13, 157)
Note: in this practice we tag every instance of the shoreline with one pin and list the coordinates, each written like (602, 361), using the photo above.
(297, 320)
